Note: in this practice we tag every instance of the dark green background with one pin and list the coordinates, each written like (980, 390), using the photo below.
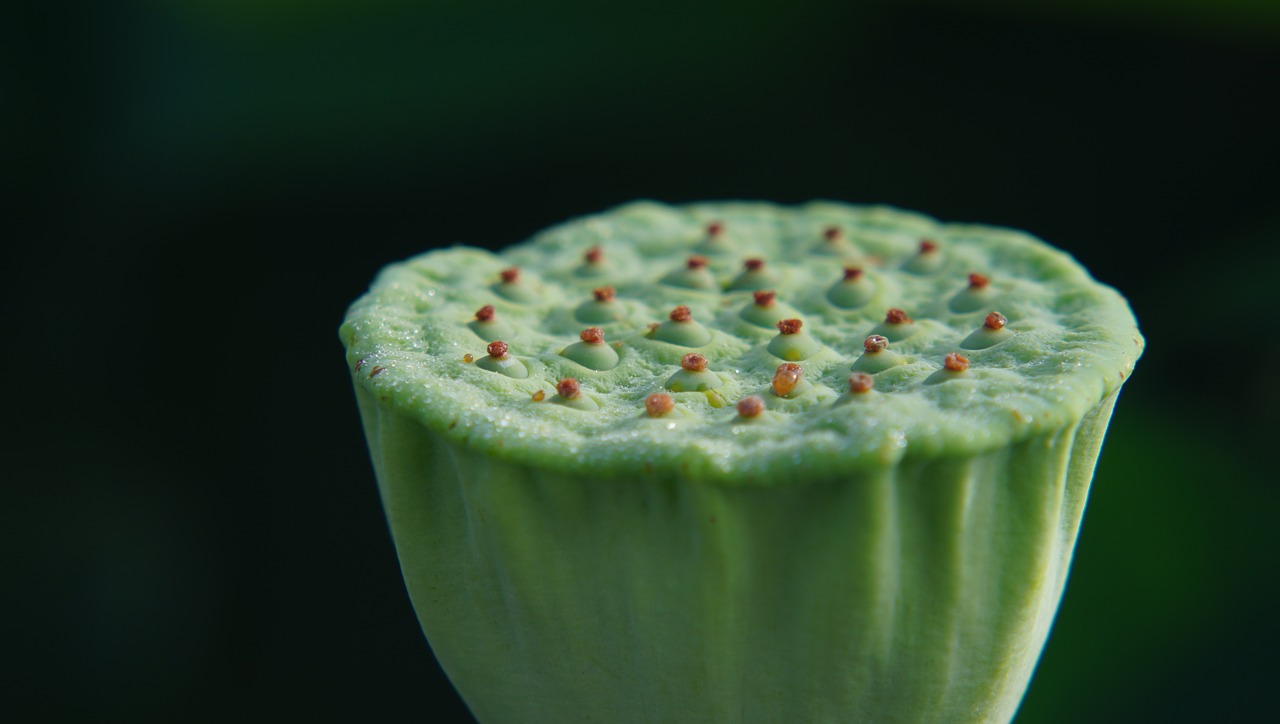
(198, 189)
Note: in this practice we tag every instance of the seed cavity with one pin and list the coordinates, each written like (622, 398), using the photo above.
(792, 343)
(993, 331)
(750, 406)
(973, 297)
(897, 326)
(591, 351)
(681, 329)
(498, 360)
(693, 375)
(485, 313)
(852, 291)
(658, 404)
(927, 260)
(876, 356)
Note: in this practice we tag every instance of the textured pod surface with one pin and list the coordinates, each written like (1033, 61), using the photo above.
(896, 555)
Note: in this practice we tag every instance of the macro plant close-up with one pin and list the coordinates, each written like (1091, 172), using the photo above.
(829, 360)
(796, 508)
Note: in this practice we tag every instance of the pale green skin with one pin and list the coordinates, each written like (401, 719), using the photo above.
(891, 556)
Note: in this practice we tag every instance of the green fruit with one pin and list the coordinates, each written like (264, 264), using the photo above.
(711, 522)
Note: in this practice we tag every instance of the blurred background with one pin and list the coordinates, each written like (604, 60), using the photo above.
(197, 190)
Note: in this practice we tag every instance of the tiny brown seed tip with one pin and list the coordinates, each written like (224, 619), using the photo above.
(539, 396)
(376, 369)
(928, 246)
(995, 320)
(852, 273)
(594, 255)
(832, 233)
(485, 313)
(696, 262)
(497, 349)
(789, 326)
(568, 388)
(896, 316)
(875, 343)
(693, 362)
(715, 228)
(956, 362)
(786, 377)
(681, 314)
(860, 382)
(592, 335)
(604, 294)
(658, 404)
(764, 298)
(468, 358)
(753, 264)
(750, 406)
(510, 275)
(978, 281)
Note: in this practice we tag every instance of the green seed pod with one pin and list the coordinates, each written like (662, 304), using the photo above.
(765, 311)
(504, 364)
(977, 295)
(897, 326)
(591, 351)
(602, 308)
(793, 342)
(789, 545)
(991, 333)
(693, 275)
(835, 243)
(754, 276)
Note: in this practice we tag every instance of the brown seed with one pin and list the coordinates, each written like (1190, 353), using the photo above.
(978, 281)
(568, 388)
(851, 273)
(539, 396)
(658, 404)
(763, 298)
(956, 362)
(928, 246)
(896, 316)
(696, 262)
(995, 320)
(594, 255)
(604, 294)
(592, 335)
(860, 382)
(875, 343)
(786, 378)
(485, 313)
(715, 228)
(467, 358)
(693, 362)
(753, 264)
(497, 349)
(750, 406)
(510, 275)
(789, 326)
(681, 314)
(832, 233)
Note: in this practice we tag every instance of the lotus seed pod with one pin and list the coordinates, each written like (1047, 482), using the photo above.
(876, 356)
(888, 549)
(978, 295)
(992, 332)
(497, 360)
(693, 275)
(682, 329)
(793, 343)
(591, 351)
(853, 290)
(765, 311)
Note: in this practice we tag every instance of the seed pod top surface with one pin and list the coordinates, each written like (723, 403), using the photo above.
(1072, 342)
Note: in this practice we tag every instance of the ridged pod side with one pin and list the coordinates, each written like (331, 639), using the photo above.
(922, 591)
